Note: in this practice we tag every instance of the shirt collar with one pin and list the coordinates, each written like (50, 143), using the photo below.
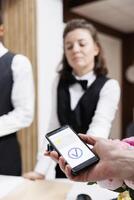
(3, 50)
(90, 77)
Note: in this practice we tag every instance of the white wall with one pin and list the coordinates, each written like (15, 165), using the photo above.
(112, 52)
(49, 53)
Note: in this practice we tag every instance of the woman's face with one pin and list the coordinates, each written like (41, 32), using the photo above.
(80, 51)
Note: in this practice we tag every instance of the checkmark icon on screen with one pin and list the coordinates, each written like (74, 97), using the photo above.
(75, 153)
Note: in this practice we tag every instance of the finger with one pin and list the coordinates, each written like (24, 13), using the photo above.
(69, 174)
(62, 163)
(66, 168)
(88, 139)
(54, 155)
(47, 153)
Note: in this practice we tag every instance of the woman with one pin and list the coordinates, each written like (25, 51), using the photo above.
(86, 98)
(16, 105)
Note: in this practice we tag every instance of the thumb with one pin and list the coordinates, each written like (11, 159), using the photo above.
(88, 139)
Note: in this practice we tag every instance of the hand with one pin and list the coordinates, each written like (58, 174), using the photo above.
(115, 161)
(98, 171)
(84, 176)
(33, 176)
(53, 154)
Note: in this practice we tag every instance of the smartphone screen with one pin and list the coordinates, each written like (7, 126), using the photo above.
(68, 144)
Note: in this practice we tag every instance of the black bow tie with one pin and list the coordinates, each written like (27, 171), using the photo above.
(83, 83)
(72, 80)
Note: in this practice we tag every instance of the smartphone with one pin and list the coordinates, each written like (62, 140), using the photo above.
(68, 144)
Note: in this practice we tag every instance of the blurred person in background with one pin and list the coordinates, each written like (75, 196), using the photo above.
(16, 105)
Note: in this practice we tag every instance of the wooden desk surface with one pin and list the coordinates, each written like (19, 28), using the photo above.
(18, 188)
(39, 190)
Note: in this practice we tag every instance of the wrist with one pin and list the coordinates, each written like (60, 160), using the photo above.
(40, 174)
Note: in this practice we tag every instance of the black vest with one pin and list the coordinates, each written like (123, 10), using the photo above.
(9, 148)
(6, 82)
(79, 118)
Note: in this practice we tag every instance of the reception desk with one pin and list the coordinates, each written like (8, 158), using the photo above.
(18, 188)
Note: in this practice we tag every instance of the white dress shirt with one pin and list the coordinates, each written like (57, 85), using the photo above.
(101, 122)
(22, 95)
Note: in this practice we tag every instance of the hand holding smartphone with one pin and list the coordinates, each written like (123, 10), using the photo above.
(68, 144)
